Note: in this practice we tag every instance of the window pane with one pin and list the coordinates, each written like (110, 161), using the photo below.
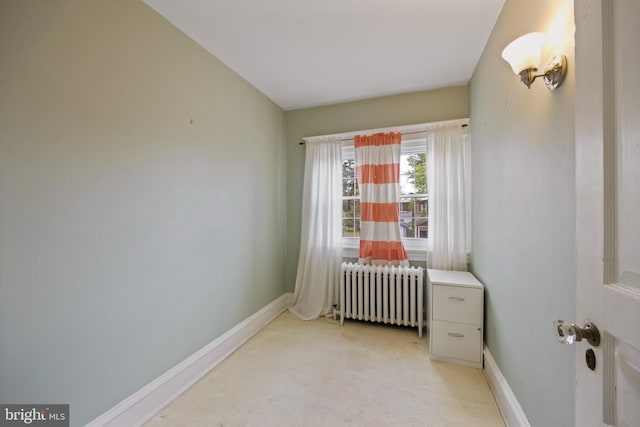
(348, 168)
(422, 207)
(356, 206)
(348, 178)
(421, 183)
(413, 173)
(405, 206)
(422, 228)
(348, 228)
(356, 228)
(348, 187)
(408, 228)
(406, 216)
(347, 208)
(414, 216)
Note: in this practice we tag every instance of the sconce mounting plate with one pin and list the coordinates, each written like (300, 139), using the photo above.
(555, 71)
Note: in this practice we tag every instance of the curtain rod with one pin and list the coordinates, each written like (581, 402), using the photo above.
(303, 142)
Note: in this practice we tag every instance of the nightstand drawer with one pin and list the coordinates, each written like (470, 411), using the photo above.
(457, 304)
(457, 341)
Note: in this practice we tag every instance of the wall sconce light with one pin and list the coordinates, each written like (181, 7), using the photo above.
(523, 54)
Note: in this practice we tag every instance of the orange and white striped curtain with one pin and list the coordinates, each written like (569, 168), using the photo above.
(378, 172)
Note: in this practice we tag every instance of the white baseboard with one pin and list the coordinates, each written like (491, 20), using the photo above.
(511, 410)
(138, 408)
(289, 299)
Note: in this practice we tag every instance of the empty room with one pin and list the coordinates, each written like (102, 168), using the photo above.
(340, 212)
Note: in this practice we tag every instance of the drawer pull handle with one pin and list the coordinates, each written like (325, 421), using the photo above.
(456, 299)
(455, 335)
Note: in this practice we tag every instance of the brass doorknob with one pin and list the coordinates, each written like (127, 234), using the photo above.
(568, 333)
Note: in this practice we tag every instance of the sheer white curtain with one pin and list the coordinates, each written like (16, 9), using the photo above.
(446, 185)
(321, 234)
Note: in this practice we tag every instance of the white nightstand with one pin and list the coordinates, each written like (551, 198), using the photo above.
(455, 318)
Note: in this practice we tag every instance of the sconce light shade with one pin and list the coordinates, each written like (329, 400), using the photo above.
(524, 52)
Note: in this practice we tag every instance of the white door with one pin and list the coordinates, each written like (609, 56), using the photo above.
(608, 208)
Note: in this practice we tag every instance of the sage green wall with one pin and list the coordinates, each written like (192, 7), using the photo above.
(418, 107)
(131, 237)
(524, 211)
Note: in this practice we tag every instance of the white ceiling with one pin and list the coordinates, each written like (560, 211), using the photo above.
(303, 53)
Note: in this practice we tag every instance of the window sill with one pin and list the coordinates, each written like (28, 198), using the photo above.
(416, 250)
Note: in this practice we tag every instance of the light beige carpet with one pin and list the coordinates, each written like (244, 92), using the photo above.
(318, 373)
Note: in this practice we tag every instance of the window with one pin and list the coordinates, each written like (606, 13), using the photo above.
(414, 199)
(350, 198)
